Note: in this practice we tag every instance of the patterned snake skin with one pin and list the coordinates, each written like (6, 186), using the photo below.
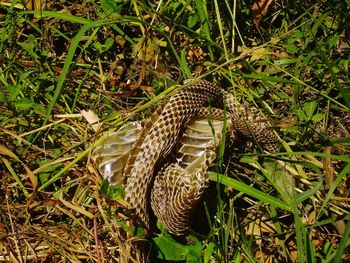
(163, 163)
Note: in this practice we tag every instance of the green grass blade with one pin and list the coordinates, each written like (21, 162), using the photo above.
(70, 165)
(300, 233)
(68, 62)
(59, 15)
(338, 179)
(15, 176)
(203, 16)
(344, 242)
(242, 187)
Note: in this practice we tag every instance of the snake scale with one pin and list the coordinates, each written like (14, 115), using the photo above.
(163, 161)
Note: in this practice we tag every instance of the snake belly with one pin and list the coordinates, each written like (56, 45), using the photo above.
(180, 185)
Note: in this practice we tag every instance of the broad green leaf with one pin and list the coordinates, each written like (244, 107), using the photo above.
(169, 249)
(317, 117)
(24, 104)
(291, 48)
(14, 90)
(192, 21)
(110, 191)
(309, 108)
(104, 47)
(98, 47)
(29, 46)
(108, 43)
(208, 252)
(193, 250)
(43, 177)
(111, 6)
(284, 181)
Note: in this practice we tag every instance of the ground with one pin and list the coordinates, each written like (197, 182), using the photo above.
(64, 64)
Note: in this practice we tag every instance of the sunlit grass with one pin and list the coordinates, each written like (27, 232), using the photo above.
(122, 60)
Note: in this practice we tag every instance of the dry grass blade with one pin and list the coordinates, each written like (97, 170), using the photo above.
(121, 61)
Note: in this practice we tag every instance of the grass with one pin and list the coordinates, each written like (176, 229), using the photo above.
(119, 59)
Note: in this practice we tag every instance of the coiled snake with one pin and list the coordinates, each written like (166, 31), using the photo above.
(163, 163)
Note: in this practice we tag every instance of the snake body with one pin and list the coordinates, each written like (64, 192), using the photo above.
(189, 126)
(179, 186)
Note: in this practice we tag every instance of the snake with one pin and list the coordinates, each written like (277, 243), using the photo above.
(163, 161)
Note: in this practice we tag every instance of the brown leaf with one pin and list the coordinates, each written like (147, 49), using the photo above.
(259, 9)
(7, 152)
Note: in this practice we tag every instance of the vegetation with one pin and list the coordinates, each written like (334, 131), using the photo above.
(117, 59)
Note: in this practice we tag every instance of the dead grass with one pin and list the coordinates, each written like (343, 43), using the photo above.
(51, 205)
